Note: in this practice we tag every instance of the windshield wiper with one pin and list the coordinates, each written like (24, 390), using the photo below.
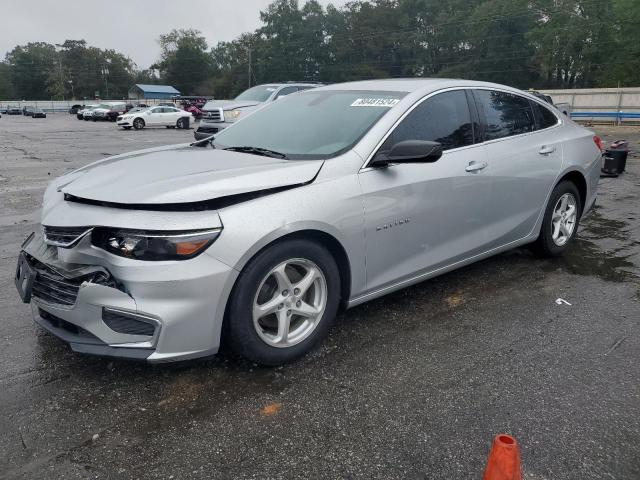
(265, 152)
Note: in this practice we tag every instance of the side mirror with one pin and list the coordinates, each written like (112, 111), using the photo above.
(409, 151)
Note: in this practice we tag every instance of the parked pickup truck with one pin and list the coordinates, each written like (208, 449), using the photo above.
(219, 114)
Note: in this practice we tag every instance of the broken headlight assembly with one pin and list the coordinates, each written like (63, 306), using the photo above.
(153, 245)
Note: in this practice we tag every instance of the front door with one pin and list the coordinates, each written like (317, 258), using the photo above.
(420, 217)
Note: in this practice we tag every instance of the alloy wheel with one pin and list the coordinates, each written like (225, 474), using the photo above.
(290, 302)
(563, 220)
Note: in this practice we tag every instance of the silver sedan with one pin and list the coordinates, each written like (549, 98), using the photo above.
(320, 201)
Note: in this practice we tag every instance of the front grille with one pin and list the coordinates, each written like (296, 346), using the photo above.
(52, 287)
(130, 324)
(214, 115)
(64, 236)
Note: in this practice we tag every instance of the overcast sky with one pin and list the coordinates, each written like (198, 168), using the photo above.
(128, 26)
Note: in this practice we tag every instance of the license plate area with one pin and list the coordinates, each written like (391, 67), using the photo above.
(25, 276)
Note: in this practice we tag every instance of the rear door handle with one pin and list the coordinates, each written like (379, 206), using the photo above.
(476, 166)
(547, 150)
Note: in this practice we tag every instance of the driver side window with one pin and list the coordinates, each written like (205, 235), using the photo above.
(444, 118)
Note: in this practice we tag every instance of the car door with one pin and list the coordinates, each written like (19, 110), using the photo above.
(523, 162)
(155, 116)
(422, 217)
(175, 114)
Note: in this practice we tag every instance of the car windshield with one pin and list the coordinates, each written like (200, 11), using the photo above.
(257, 94)
(311, 125)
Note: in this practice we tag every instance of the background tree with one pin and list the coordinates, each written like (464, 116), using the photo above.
(185, 62)
(523, 43)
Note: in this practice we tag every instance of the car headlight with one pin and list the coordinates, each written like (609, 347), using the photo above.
(153, 245)
(232, 115)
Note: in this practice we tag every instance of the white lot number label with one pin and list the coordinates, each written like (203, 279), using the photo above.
(375, 102)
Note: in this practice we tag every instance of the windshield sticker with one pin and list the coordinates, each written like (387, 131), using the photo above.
(375, 102)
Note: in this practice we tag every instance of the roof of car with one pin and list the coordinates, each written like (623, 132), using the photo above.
(409, 84)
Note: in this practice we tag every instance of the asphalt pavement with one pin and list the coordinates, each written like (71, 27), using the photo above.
(412, 385)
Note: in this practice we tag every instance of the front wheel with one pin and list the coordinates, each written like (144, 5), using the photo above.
(283, 303)
(138, 124)
(181, 123)
(560, 222)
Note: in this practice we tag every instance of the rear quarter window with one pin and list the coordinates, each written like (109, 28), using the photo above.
(505, 114)
(545, 118)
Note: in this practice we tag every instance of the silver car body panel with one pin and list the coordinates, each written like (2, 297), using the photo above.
(397, 226)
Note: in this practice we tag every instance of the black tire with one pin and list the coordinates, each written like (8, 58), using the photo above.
(544, 245)
(127, 128)
(181, 123)
(138, 124)
(239, 332)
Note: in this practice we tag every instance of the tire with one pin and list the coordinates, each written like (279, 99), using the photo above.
(255, 339)
(553, 239)
(181, 123)
(138, 124)
(127, 128)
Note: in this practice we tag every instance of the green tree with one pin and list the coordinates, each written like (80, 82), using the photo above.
(185, 62)
(6, 86)
(32, 66)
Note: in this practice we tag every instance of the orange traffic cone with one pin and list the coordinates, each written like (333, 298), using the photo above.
(504, 459)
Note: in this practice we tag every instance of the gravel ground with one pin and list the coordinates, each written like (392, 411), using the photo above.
(412, 385)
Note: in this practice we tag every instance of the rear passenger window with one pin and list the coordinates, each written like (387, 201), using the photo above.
(505, 114)
(443, 118)
(544, 116)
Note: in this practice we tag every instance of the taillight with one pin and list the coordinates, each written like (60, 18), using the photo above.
(598, 141)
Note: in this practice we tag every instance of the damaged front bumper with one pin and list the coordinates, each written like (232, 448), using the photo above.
(106, 305)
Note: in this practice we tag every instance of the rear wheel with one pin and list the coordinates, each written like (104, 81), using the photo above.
(283, 303)
(138, 124)
(560, 222)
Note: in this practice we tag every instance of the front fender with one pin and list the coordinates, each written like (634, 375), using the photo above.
(333, 207)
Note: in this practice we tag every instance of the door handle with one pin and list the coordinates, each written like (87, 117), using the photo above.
(547, 150)
(476, 166)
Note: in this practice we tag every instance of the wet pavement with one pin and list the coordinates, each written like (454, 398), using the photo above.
(413, 385)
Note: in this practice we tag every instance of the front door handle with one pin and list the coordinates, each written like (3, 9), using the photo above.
(547, 150)
(476, 166)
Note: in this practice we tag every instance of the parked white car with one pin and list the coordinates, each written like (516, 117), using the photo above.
(159, 116)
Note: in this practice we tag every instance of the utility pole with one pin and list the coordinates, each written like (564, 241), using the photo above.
(249, 54)
(105, 73)
(59, 51)
(72, 94)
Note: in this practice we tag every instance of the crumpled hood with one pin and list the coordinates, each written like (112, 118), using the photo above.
(183, 174)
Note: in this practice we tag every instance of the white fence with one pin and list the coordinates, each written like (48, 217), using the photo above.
(617, 105)
(64, 106)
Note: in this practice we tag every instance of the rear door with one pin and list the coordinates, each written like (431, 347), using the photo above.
(523, 161)
(423, 216)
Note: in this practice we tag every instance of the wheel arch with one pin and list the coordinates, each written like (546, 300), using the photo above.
(327, 240)
(579, 180)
